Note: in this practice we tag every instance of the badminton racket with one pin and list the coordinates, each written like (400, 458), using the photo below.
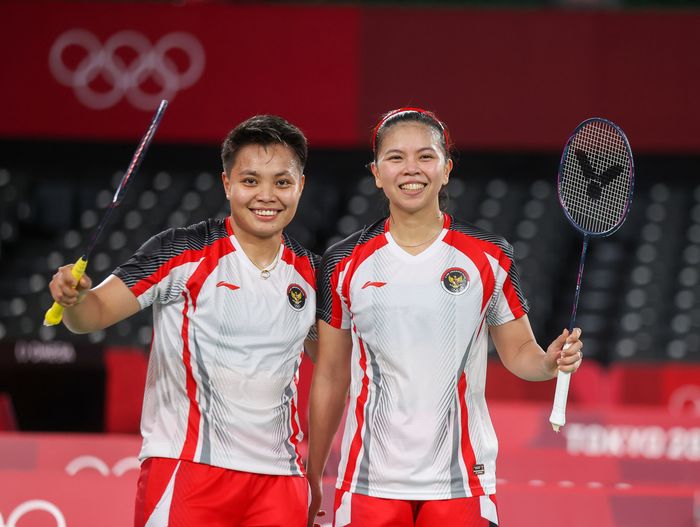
(55, 313)
(595, 185)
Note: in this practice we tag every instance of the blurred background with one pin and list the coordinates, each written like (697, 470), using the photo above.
(511, 80)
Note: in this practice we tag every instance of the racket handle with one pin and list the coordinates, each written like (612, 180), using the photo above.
(558, 415)
(55, 313)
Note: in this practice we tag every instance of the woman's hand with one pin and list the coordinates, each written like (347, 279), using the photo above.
(64, 288)
(565, 353)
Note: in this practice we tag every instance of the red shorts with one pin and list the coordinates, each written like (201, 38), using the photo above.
(358, 510)
(174, 493)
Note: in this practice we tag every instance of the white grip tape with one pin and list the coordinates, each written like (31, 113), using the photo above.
(558, 416)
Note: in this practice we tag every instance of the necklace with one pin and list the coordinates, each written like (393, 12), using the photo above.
(265, 271)
(432, 237)
(418, 244)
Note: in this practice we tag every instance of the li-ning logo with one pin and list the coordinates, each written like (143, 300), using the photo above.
(296, 297)
(455, 280)
(227, 285)
(152, 64)
(373, 284)
(596, 182)
(95, 463)
(31, 506)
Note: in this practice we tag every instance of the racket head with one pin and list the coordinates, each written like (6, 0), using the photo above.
(595, 183)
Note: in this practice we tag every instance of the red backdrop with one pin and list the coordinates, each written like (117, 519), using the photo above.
(610, 467)
(501, 79)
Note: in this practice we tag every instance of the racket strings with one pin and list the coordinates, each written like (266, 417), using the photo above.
(596, 178)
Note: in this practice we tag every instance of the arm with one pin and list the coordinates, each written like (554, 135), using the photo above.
(311, 349)
(311, 343)
(89, 309)
(329, 392)
(520, 353)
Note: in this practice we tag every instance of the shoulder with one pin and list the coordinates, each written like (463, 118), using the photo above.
(355, 241)
(300, 251)
(192, 237)
(493, 242)
(203, 233)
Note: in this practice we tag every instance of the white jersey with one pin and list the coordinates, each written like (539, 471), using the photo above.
(418, 427)
(227, 344)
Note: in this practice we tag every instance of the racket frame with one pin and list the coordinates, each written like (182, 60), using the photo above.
(558, 416)
(562, 164)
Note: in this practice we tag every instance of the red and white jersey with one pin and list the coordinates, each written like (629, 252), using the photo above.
(222, 376)
(418, 427)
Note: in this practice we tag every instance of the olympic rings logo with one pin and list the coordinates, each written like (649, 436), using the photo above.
(85, 462)
(30, 506)
(152, 63)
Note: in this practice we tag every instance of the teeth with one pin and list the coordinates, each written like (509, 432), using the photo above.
(412, 186)
(265, 212)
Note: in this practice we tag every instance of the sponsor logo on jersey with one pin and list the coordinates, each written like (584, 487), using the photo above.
(373, 284)
(227, 285)
(455, 280)
(296, 297)
(478, 470)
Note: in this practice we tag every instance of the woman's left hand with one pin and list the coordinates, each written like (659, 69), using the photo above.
(566, 352)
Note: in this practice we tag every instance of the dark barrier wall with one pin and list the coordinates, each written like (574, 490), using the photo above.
(54, 385)
(515, 80)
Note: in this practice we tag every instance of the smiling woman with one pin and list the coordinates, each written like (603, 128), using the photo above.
(413, 172)
(233, 305)
(419, 447)
(263, 188)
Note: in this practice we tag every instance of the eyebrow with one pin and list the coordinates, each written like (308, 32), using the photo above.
(399, 151)
(251, 172)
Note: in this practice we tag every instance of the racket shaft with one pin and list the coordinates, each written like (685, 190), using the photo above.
(54, 315)
(558, 415)
(129, 174)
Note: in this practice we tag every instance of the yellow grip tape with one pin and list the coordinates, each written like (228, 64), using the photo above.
(55, 313)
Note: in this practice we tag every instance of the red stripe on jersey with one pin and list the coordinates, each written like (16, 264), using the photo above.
(221, 246)
(301, 264)
(295, 434)
(474, 249)
(467, 451)
(194, 416)
(512, 297)
(336, 309)
(229, 227)
(356, 443)
(505, 263)
(362, 252)
(210, 259)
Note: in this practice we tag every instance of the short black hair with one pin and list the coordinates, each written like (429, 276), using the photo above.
(263, 130)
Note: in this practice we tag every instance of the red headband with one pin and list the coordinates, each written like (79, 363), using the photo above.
(408, 109)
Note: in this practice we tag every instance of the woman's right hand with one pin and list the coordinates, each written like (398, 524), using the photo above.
(64, 288)
(316, 490)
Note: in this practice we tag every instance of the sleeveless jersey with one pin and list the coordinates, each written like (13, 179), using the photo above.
(223, 370)
(417, 426)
